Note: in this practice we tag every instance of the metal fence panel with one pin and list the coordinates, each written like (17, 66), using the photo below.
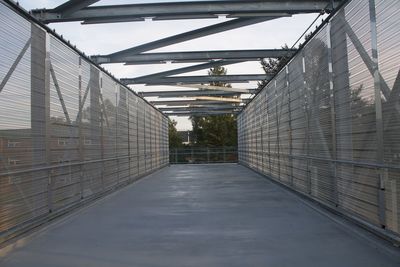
(69, 132)
(388, 37)
(332, 117)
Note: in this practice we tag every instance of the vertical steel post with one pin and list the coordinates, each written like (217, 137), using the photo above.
(117, 113)
(343, 112)
(333, 116)
(48, 125)
(128, 118)
(255, 118)
(95, 119)
(306, 112)
(290, 127)
(261, 137)
(269, 134)
(277, 132)
(208, 155)
(378, 114)
(137, 137)
(102, 111)
(144, 138)
(80, 130)
(40, 104)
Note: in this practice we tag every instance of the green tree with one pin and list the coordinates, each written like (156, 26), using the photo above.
(215, 130)
(218, 130)
(273, 65)
(175, 140)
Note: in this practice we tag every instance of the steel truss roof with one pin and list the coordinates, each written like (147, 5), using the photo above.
(243, 13)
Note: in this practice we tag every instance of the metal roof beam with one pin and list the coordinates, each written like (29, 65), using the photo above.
(200, 113)
(190, 35)
(194, 56)
(197, 114)
(200, 79)
(206, 108)
(185, 102)
(223, 99)
(64, 10)
(190, 93)
(183, 70)
(212, 87)
(187, 10)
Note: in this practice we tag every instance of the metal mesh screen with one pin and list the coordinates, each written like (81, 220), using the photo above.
(328, 124)
(69, 132)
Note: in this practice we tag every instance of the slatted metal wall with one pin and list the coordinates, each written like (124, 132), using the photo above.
(328, 124)
(69, 132)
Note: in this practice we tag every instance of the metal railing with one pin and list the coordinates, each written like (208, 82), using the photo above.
(327, 125)
(200, 155)
(69, 131)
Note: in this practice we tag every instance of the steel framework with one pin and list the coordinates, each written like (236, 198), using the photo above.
(186, 93)
(194, 56)
(327, 125)
(79, 11)
(243, 13)
(72, 131)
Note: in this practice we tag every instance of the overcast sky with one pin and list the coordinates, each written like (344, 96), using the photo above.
(108, 38)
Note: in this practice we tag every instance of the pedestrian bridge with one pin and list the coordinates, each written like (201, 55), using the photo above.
(201, 215)
(85, 175)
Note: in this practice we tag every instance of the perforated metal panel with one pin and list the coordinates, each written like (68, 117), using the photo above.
(69, 132)
(321, 127)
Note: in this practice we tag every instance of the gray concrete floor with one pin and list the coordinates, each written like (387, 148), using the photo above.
(199, 215)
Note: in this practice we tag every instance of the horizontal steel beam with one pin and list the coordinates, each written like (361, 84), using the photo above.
(199, 113)
(189, 93)
(193, 102)
(183, 70)
(200, 79)
(217, 98)
(190, 35)
(194, 56)
(212, 87)
(72, 6)
(204, 109)
(186, 10)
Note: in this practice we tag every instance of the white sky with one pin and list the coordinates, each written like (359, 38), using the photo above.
(108, 38)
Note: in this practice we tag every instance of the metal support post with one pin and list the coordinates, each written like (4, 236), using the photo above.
(290, 127)
(40, 104)
(306, 112)
(137, 137)
(269, 134)
(48, 124)
(128, 113)
(333, 117)
(80, 130)
(144, 141)
(262, 144)
(277, 132)
(378, 113)
(117, 112)
(102, 136)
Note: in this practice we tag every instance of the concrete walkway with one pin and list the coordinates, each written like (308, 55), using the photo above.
(199, 215)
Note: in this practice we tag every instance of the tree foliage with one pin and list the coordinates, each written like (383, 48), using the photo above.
(218, 130)
(273, 65)
(175, 140)
(215, 130)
